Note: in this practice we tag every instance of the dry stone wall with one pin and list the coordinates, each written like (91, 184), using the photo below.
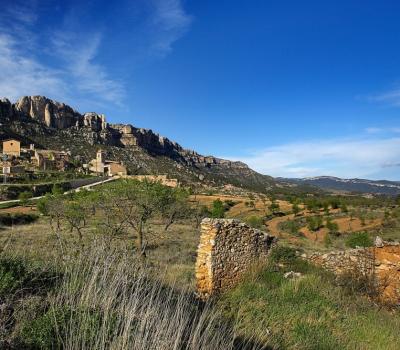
(381, 262)
(227, 249)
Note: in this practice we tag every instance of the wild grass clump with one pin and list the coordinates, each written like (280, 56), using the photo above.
(106, 301)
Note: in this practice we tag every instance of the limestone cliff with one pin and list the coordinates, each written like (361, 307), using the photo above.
(44, 121)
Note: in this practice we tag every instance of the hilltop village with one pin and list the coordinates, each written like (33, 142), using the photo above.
(17, 160)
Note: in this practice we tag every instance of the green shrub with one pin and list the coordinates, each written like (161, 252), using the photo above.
(8, 219)
(359, 239)
(24, 197)
(218, 209)
(18, 275)
(314, 223)
(282, 254)
(255, 221)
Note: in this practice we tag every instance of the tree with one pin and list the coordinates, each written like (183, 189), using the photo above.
(132, 204)
(218, 210)
(176, 207)
(333, 227)
(24, 197)
(200, 212)
(314, 223)
(295, 208)
(274, 206)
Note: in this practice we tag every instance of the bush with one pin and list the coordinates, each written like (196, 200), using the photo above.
(8, 219)
(18, 275)
(359, 239)
(282, 254)
(314, 223)
(255, 221)
(218, 209)
(24, 197)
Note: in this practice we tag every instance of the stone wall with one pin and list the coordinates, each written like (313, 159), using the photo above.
(227, 249)
(381, 262)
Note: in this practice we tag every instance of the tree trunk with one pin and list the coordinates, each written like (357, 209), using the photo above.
(141, 247)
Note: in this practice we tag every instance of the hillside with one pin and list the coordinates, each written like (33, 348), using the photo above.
(54, 125)
(330, 183)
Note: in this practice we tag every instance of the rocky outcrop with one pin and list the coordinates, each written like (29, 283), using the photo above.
(51, 113)
(40, 116)
(226, 250)
(6, 109)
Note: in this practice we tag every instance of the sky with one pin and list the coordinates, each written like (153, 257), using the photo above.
(292, 88)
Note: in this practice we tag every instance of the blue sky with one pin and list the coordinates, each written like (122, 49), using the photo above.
(293, 88)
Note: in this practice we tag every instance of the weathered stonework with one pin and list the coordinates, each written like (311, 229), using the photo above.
(381, 262)
(227, 249)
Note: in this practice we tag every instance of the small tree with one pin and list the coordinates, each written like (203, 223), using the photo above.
(295, 208)
(24, 198)
(314, 223)
(333, 227)
(176, 206)
(218, 210)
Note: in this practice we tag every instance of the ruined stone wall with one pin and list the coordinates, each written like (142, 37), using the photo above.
(226, 250)
(381, 262)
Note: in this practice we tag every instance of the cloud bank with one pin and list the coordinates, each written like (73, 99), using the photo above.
(358, 157)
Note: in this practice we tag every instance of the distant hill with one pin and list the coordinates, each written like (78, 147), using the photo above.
(53, 125)
(331, 183)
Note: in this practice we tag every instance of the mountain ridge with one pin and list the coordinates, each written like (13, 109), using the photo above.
(349, 185)
(52, 124)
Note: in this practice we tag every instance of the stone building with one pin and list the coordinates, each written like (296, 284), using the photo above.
(227, 249)
(12, 148)
(101, 166)
(51, 160)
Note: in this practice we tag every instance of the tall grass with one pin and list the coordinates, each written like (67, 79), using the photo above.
(107, 302)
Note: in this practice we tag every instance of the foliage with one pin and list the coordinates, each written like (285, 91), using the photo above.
(333, 227)
(17, 275)
(218, 209)
(314, 223)
(10, 219)
(295, 208)
(309, 312)
(24, 197)
(359, 239)
(255, 221)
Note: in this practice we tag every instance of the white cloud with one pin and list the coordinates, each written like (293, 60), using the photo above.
(170, 22)
(63, 63)
(22, 74)
(78, 51)
(337, 157)
(391, 97)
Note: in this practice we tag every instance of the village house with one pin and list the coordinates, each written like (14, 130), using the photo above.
(12, 148)
(101, 166)
(11, 169)
(52, 160)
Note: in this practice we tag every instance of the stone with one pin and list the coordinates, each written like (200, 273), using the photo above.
(222, 258)
(378, 242)
(292, 275)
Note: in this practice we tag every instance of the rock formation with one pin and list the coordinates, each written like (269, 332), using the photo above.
(43, 117)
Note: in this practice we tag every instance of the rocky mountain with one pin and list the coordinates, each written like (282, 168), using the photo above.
(54, 125)
(331, 183)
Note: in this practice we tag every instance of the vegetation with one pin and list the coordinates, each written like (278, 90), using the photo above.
(310, 312)
(114, 268)
(359, 239)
